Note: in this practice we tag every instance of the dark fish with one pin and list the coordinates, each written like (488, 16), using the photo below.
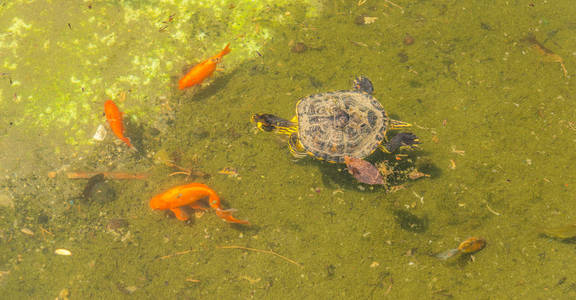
(97, 190)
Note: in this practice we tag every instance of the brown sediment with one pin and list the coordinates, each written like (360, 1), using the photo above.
(408, 40)
(299, 47)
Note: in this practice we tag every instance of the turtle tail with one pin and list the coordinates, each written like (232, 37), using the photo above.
(401, 140)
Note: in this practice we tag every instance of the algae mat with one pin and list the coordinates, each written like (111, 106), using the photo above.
(488, 87)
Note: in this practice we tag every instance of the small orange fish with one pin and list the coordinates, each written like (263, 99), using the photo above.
(114, 117)
(469, 246)
(202, 70)
(189, 195)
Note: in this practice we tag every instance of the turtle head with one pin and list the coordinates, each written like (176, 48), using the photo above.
(272, 123)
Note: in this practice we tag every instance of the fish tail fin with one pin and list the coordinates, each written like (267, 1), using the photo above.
(447, 254)
(127, 141)
(226, 215)
(225, 51)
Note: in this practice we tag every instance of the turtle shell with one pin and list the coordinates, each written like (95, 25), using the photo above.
(343, 123)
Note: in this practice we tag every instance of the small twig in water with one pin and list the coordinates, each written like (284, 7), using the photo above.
(107, 175)
(546, 53)
(419, 197)
(492, 211)
(174, 254)
(395, 5)
(43, 231)
(389, 287)
(262, 251)
(459, 152)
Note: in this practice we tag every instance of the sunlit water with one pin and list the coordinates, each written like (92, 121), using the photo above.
(488, 88)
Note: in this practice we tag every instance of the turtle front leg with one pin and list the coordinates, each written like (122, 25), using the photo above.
(402, 139)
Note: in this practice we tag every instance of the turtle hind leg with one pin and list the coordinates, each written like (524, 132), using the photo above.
(296, 148)
(402, 139)
(395, 124)
(363, 84)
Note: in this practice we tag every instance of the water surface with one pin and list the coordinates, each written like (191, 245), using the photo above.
(483, 85)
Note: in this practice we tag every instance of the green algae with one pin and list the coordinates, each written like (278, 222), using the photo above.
(100, 52)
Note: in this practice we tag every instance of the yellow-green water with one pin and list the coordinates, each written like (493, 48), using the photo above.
(495, 116)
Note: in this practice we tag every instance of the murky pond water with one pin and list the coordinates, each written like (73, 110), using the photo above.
(488, 88)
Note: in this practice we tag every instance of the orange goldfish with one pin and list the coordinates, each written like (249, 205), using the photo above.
(202, 70)
(189, 195)
(114, 117)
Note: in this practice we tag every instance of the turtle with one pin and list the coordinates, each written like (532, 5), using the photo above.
(333, 125)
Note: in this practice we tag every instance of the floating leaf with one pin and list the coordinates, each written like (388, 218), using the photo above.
(363, 171)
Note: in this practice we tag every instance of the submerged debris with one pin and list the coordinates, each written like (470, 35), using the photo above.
(547, 54)
(415, 174)
(171, 160)
(64, 293)
(364, 20)
(408, 40)
(561, 232)
(116, 224)
(100, 133)
(230, 171)
(128, 290)
(411, 222)
(298, 47)
(27, 231)
(63, 252)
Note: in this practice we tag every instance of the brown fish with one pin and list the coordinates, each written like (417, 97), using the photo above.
(363, 171)
(469, 246)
